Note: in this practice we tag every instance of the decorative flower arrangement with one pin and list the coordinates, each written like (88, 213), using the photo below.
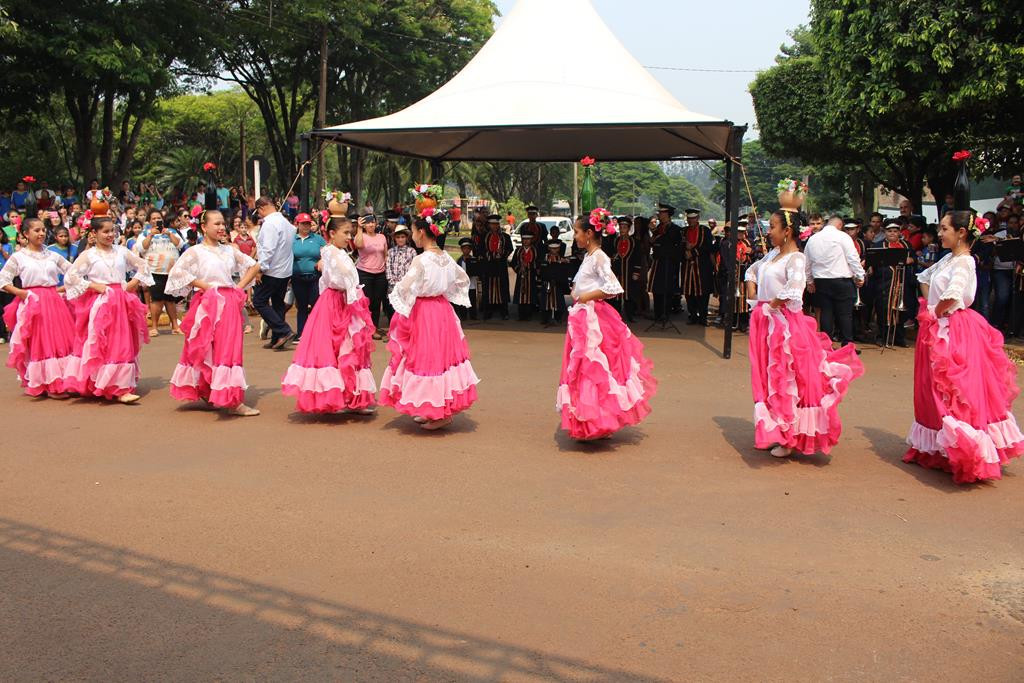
(603, 221)
(335, 195)
(29, 179)
(209, 166)
(106, 194)
(436, 220)
(797, 187)
(588, 161)
(87, 215)
(435, 192)
(977, 226)
(962, 155)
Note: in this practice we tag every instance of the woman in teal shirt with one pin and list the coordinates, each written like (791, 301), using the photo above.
(305, 276)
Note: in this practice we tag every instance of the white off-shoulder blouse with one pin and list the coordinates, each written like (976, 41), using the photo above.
(35, 268)
(431, 274)
(783, 279)
(338, 271)
(952, 278)
(214, 266)
(106, 267)
(595, 274)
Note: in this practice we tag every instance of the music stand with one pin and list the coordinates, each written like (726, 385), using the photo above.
(1010, 250)
(883, 257)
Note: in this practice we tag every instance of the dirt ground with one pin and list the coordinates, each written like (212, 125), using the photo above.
(166, 542)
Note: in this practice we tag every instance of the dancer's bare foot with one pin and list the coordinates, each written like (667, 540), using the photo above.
(59, 397)
(434, 425)
(419, 420)
(243, 410)
(128, 398)
(781, 452)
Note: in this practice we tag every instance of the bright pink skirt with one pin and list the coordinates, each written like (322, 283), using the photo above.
(42, 341)
(331, 369)
(964, 387)
(210, 367)
(797, 380)
(110, 329)
(606, 382)
(429, 374)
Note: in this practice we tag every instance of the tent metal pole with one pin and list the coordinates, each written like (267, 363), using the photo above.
(436, 170)
(732, 194)
(304, 153)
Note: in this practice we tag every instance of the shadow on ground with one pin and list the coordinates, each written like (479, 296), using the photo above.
(739, 433)
(79, 609)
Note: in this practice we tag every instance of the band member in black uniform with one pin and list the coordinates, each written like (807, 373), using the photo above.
(554, 282)
(493, 253)
(642, 244)
(468, 262)
(891, 290)
(526, 264)
(853, 227)
(627, 265)
(698, 268)
(666, 255)
(744, 257)
(532, 227)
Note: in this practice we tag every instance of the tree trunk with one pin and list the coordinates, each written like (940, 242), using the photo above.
(862, 194)
(107, 145)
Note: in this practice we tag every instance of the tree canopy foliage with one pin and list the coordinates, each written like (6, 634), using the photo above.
(894, 88)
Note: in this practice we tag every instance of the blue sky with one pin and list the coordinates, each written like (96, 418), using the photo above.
(727, 34)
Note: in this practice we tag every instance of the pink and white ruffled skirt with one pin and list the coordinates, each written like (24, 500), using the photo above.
(797, 380)
(606, 382)
(110, 329)
(42, 341)
(210, 366)
(429, 374)
(331, 369)
(964, 388)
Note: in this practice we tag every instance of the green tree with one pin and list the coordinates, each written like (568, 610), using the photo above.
(894, 88)
(106, 70)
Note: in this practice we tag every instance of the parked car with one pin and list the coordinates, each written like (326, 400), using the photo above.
(563, 224)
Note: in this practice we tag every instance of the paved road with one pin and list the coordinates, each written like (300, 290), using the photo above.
(165, 542)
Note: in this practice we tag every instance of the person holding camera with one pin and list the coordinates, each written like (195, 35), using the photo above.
(160, 245)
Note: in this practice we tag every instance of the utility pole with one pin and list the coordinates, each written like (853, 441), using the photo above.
(245, 159)
(321, 117)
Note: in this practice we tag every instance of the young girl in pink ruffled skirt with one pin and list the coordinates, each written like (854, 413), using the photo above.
(42, 331)
(110, 320)
(606, 382)
(964, 385)
(210, 367)
(797, 379)
(331, 371)
(430, 375)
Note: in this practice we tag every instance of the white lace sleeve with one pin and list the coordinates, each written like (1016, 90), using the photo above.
(402, 297)
(63, 265)
(11, 270)
(610, 284)
(926, 275)
(183, 273)
(342, 274)
(796, 278)
(75, 281)
(140, 266)
(243, 262)
(961, 275)
(458, 291)
(755, 268)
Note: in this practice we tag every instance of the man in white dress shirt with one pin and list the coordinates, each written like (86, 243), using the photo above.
(274, 253)
(833, 273)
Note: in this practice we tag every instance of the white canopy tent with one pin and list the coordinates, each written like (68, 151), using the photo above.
(552, 84)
